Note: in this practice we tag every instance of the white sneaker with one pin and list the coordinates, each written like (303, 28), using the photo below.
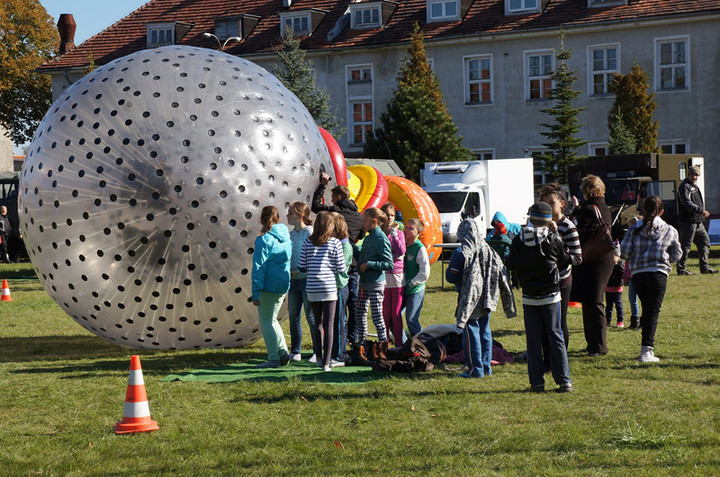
(313, 359)
(326, 368)
(647, 355)
(295, 357)
(337, 364)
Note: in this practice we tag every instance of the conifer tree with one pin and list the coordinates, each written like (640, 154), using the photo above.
(417, 127)
(636, 107)
(562, 132)
(621, 139)
(297, 74)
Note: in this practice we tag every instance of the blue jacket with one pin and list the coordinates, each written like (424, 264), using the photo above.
(377, 254)
(512, 228)
(271, 262)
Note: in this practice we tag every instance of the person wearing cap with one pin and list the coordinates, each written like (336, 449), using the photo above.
(691, 217)
(536, 255)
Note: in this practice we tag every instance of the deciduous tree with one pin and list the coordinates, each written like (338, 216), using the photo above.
(29, 38)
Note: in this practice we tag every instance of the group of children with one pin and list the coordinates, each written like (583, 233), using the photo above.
(316, 264)
(313, 264)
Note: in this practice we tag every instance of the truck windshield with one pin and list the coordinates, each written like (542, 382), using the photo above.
(622, 191)
(447, 202)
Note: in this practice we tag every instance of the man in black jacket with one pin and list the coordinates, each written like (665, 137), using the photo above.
(4, 234)
(691, 228)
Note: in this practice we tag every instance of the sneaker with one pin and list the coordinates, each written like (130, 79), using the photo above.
(537, 388)
(312, 359)
(269, 364)
(685, 272)
(284, 359)
(620, 324)
(709, 271)
(565, 388)
(647, 355)
(326, 368)
(295, 357)
(337, 364)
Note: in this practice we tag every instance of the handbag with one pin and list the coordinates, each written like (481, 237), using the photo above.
(599, 244)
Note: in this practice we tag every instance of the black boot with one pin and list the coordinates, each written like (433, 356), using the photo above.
(634, 323)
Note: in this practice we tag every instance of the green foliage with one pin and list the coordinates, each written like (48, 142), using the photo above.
(29, 38)
(64, 391)
(562, 132)
(417, 127)
(621, 139)
(636, 106)
(297, 74)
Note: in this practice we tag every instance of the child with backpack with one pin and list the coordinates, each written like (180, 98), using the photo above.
(535, 256)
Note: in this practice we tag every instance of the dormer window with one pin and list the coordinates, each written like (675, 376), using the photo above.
(442, 10)
(302, 23)
(239, 26)
(166, 33)
(364, 16)
(523, 6)
(160, 34)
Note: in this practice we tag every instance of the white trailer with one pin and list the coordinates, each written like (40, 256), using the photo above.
(479, 189)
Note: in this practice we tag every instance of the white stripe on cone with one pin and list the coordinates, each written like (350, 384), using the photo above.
(5, 292)
(136, 409)
(136, 377)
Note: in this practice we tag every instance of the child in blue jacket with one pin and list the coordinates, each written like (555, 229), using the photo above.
(270, 282)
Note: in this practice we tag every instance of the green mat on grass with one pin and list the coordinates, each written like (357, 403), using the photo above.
(300, 370)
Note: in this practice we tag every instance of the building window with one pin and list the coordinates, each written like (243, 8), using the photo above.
(598, 149)
(442, 10)
(603, 64)
(160, 34)
(359, 93)
(365, 17)
(299, 24)
(516, 6)
(672, 58)
(360, 74)
(478, 80)
(540, 178)
(225, 29)
(484, 154)
(539, 69)
(674, 147)
(362, 122)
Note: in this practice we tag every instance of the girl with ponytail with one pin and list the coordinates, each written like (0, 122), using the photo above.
(650, 245)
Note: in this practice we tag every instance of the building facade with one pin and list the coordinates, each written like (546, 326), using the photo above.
(493, 58)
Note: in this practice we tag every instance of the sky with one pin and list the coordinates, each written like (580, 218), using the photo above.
(91, 16)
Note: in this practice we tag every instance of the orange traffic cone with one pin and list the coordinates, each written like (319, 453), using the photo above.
(6, 292)
(136, 416)
(574, 304)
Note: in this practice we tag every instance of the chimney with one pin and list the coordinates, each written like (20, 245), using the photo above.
(66, 27)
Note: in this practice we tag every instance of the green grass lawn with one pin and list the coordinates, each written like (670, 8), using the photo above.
(63, 389)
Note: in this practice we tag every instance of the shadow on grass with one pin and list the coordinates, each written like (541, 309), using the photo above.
(13, 272)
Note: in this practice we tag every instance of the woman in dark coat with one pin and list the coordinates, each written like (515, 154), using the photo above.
(590, 279)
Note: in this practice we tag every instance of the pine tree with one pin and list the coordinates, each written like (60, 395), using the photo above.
(417, 127)
(29, 38)
(563, 144)
(297, 74)
(621, 139)
(636, 107)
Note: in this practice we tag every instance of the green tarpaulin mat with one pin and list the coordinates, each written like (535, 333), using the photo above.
(300, 370)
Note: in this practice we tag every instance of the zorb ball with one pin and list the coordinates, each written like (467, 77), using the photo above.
(142, 191)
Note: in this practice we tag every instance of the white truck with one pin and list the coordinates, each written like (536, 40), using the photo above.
(479, 189)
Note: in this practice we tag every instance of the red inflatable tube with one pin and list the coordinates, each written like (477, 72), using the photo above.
(336, 156)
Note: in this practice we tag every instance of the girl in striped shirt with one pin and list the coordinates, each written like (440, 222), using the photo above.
(321, 257)
(553, 195)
